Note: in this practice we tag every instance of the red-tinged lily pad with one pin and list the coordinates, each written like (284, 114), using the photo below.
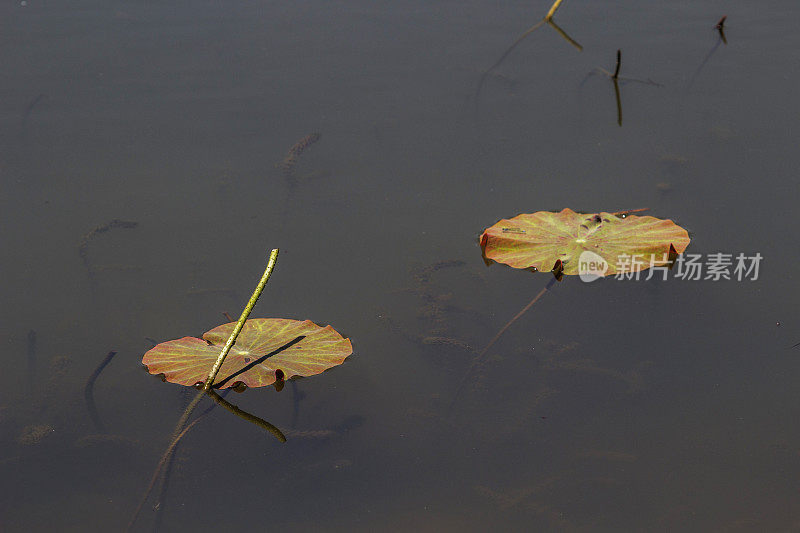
(538, 240)
(265, 346)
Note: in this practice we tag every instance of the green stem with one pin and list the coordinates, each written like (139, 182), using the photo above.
(273, 257)
(180, 430)
(553, 10)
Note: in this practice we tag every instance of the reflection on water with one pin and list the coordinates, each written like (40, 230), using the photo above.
(609, 406)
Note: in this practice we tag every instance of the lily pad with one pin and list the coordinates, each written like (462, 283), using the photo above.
(538, 240)
(265, 346)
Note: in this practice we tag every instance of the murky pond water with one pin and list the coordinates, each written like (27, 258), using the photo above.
(610, 406)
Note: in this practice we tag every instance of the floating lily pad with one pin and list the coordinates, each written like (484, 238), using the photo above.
(537, 240)
(265, 346)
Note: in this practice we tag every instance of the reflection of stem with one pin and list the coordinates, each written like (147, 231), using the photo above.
(548, 19)
(615, 78)
(562, 33)
(273, 257)
(260, 422)
(480, 356)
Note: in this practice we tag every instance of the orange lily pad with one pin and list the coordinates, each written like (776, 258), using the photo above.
(538, 240)
(264, 348)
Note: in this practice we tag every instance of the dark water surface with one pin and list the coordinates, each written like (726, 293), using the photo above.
(611, 406)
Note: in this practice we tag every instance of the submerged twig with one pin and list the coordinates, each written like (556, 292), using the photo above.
(28, 111)
(310, 434)
(88, 391)
(83, 247)
(423, 274)
(161, 499)
(176, 439)
(290, 161)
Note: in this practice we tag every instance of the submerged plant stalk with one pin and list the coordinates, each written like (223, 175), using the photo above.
(88, 391)
(163, 461)
(480, 356)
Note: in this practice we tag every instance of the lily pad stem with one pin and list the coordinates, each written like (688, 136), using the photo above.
(273, 257)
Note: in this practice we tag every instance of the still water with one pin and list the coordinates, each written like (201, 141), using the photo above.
(610, 406)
